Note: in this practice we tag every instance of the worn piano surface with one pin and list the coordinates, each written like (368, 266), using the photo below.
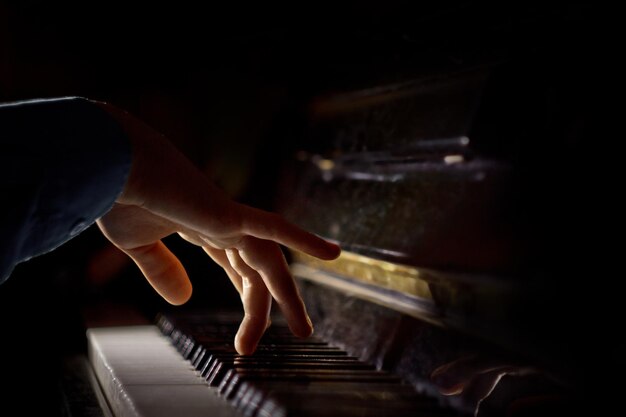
(460, 158)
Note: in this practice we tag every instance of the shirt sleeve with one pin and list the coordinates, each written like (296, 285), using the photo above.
(63, 163)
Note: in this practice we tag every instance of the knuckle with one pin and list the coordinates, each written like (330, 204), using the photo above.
(231, 218)
(246, 242)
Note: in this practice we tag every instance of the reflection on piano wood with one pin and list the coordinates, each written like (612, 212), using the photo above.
(457, 270)
(427, 311)
(187, 365)
(453, 186)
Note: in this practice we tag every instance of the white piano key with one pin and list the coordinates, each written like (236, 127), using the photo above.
(142, 374)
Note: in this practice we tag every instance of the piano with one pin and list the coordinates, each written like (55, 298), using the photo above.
(464, 175)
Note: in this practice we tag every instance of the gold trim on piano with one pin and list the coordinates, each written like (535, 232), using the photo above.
(463, 301)
(402, 278)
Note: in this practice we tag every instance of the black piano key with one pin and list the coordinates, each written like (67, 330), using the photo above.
(234, 377)
(361, 399)
(320, 387)
(311, 409)
(265, 390)
(227, 361)
(291, 376)
(388, 396)
(271, 409)
(197, 357)
(185, 346)
(248, 400)
(269, 354)
(219, 371)
(297, 382)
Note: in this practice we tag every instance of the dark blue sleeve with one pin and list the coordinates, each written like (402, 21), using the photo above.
(63, 162)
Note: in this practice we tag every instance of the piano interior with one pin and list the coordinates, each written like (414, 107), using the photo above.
(461, 155)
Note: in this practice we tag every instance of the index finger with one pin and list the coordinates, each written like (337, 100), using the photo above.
(266, 258)
(271, 226)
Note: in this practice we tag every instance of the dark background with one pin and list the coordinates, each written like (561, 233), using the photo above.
(229, 84)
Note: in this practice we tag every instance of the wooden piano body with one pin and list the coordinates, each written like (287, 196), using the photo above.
(465, 177)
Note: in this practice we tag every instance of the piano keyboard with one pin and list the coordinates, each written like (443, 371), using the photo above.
(188, 366)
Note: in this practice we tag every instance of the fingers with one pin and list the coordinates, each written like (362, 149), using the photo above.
(481, 386)
(163, 271)
(266, 258)
(220, 258)
(454, 377)
(132, 226)
(270, 226)
(137, 232)
(257, 303)
(256, 267)
(451, 378)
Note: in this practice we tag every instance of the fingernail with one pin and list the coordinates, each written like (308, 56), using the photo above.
(312, 329)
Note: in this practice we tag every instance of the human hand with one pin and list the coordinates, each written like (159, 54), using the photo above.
(166, 194)
(472, 378)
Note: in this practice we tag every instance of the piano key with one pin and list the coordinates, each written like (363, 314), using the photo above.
(320, 400)
(287, 376)
(215, 359)
(234, 378)
(260, 391)
(142, 374)
(223, 367)
(351, 405)
(216, 375)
